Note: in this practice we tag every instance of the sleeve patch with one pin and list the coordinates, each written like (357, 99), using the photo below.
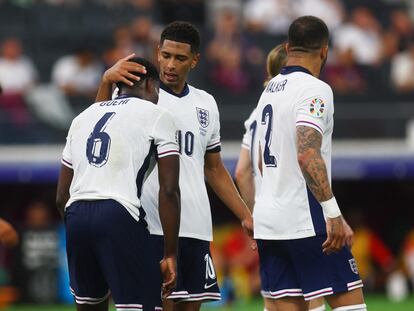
(317, 107)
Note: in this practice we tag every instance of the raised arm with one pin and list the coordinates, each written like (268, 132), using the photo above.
(221, 182)
(169, 210)
(313, 168)
(120, 72)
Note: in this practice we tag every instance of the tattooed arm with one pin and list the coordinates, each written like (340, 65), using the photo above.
(313, 168)
(311, 163)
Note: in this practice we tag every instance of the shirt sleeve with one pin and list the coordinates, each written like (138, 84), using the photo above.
(315, 108)
(164, 135)
(67, 151)
(247, 137)
(214, 143)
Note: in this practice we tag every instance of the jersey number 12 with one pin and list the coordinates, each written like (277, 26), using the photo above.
(267, 118)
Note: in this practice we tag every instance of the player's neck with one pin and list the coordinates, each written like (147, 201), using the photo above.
(308, 63)
(179, 90)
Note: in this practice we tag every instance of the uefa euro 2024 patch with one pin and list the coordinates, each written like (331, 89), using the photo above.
(203, 117)
(317, 107)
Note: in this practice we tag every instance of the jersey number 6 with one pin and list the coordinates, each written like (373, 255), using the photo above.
(267, 114)
(99, 142)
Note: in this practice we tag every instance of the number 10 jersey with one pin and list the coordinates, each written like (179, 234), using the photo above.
(196, 115)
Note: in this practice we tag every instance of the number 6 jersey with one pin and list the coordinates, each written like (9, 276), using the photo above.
(285, 209)
(197, 118)
(111, 148)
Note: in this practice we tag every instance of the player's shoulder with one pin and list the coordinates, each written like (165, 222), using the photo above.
(314, 82)
(203, 96)
(252, 117)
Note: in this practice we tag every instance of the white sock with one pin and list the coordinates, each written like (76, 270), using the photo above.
(320, 308)
(265, 309)
(362, 307)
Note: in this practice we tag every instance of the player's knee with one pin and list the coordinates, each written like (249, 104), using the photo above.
(361, 307)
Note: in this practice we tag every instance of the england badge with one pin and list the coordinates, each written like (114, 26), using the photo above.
(203, 117)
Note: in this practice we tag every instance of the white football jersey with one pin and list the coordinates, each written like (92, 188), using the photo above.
(196, 115)
(251, 143)
(111, 148)
(285, 208)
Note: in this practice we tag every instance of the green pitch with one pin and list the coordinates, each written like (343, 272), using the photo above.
(375, 303)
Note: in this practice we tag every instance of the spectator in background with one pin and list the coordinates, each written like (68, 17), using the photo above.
(330, 11)
(144, 40)
(37, 257)
(17, 76)
(402, 68)
(228, 52)
(189, 10)
(78, 74)
(372, 255)
(8, 236)
(17, 73)
(402, 28)
(269, 16)
(362, 35)
(344, 75)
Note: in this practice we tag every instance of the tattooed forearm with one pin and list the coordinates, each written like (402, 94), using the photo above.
(313, 167)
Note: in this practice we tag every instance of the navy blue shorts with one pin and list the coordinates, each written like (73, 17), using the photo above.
(196, 276)
(300, 268)
(110, 252)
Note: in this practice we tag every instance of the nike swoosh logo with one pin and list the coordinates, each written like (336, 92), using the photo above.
(208, 286)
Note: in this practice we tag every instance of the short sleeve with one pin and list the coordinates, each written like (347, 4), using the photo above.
(67, 151)
(315, 108)
(214, 143)
(247, 137)
(164, 135)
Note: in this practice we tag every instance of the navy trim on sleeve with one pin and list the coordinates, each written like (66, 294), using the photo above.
(214, 150)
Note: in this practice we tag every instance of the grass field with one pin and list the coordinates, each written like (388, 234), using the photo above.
(375, 303)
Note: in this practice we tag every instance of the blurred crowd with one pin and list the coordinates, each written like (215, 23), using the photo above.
(53, 52)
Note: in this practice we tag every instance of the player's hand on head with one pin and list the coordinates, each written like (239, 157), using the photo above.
(168, 267)
(122, 71)
(335, 229)
(8, 236)
(247, 225)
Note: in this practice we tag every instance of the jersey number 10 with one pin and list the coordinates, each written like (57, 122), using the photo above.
(99, 142)
(186, 141)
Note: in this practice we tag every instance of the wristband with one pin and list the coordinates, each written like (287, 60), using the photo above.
(331, 208)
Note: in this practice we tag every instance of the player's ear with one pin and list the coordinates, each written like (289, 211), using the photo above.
(287, 47)
(324, 52)
(159, 53)
(195, 60)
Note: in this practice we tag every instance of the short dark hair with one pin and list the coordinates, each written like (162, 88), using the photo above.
(152, 73)
(183, 32)
(308, 33)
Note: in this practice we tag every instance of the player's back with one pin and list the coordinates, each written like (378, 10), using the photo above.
(251, 143)
(284, 206)
(110, 147)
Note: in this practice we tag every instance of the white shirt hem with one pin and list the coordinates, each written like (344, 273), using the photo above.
(306, 234)
(208, 238)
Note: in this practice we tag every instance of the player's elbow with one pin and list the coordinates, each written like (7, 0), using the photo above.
(170, 191)
(304, 157)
